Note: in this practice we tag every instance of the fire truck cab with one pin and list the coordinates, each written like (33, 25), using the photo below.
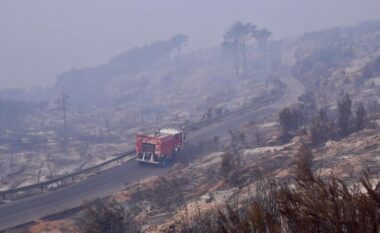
(159, 147)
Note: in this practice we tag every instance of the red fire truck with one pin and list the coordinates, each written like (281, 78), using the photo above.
(159, 147)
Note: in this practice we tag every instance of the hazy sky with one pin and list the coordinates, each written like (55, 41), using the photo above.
(42, 38)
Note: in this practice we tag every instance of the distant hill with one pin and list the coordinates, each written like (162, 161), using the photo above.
(344, 59)
(88, 84)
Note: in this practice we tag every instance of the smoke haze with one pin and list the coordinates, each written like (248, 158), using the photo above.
(40, 39)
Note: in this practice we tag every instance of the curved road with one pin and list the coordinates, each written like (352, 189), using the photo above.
(33, 208)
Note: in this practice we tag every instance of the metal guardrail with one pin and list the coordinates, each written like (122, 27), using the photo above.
(44, 184)
(190, 127)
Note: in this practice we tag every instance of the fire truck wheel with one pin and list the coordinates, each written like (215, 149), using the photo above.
(163, 162)
(177, 150)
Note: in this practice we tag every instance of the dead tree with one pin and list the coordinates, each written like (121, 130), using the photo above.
(289, 120)
(62, 106)
(235, 43)
(360, 117)
(344, 114)
(321, 128)
(142, 116)
(373, 110)
(47, 156)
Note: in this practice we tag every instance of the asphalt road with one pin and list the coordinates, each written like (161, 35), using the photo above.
(33, 208)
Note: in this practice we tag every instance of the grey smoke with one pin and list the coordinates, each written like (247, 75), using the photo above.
(42, 38)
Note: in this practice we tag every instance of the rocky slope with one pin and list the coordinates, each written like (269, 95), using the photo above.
(191, 190)
(340, 60)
